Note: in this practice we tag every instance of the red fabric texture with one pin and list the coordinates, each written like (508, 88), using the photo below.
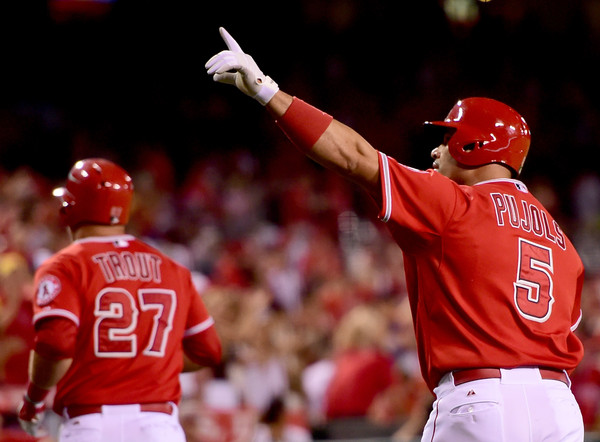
(303, 124)
(203, 348)
(359, 377)
(55, 338)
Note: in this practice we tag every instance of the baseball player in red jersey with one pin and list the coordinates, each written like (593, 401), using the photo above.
(494, 283)
(116, 321)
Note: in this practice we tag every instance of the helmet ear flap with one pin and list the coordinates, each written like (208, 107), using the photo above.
(471, 146)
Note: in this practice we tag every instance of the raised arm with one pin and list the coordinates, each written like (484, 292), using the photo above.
(322, 138)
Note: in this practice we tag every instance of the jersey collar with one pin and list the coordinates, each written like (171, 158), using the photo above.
(112, 238)
(518, 184)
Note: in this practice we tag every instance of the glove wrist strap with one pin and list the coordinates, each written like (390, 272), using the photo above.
(303, 124)
(267, 90)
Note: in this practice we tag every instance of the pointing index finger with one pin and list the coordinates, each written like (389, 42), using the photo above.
(229, 41)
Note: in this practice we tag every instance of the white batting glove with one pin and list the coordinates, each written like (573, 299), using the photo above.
(30, 416)
(246, 75)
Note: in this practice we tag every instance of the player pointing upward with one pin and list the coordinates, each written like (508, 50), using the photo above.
(493, 282)
(114, 318)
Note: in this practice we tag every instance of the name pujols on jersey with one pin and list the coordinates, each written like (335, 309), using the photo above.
(120, 266)
(527, 217)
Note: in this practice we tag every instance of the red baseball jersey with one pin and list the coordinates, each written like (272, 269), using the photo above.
(492, 279)
(132, 305)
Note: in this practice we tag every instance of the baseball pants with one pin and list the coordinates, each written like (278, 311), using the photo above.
(123, 423)
(518, 407)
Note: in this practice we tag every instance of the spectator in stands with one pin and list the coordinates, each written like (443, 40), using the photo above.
(363, 371)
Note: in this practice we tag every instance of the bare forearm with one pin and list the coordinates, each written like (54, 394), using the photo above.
(279, 104)
(43, 375)
(46, 373)
(344, 151)
(189, 365)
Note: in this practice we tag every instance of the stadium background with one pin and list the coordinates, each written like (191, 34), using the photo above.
(125, 79)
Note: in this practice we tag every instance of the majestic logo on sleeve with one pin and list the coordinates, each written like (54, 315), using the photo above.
(48, 288)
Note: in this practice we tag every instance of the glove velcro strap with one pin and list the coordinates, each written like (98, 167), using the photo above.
(303, 124)
(267, 90)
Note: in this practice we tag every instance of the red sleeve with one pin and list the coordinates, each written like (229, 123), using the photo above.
(201, 342)
(204, 348)
(55, 292)
(55, 338)
(416, 204)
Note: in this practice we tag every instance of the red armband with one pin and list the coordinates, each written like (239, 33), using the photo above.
(303, 124)
(35, 394)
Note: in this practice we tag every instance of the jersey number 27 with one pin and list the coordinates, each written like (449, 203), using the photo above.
(117, 331)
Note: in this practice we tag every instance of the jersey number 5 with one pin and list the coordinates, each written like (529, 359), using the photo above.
(533, 287)
(116, 330)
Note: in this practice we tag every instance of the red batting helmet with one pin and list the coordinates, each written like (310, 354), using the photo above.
(487, 131)
(97, 192)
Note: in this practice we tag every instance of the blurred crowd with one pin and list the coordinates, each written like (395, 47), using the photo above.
(292, 299)
(305, 284)
(307, 292)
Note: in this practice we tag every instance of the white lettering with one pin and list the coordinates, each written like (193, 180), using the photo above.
(120, 266)
(528, 218)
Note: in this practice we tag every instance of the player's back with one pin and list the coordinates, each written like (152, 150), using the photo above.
(508, 294)
(131, 304)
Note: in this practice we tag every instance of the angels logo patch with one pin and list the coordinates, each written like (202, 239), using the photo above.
(48, 288)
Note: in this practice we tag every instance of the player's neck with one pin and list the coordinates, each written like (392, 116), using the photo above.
(486, 173)
(97, 230)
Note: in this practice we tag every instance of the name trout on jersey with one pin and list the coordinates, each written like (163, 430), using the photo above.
(526, 216)
(127, 266)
